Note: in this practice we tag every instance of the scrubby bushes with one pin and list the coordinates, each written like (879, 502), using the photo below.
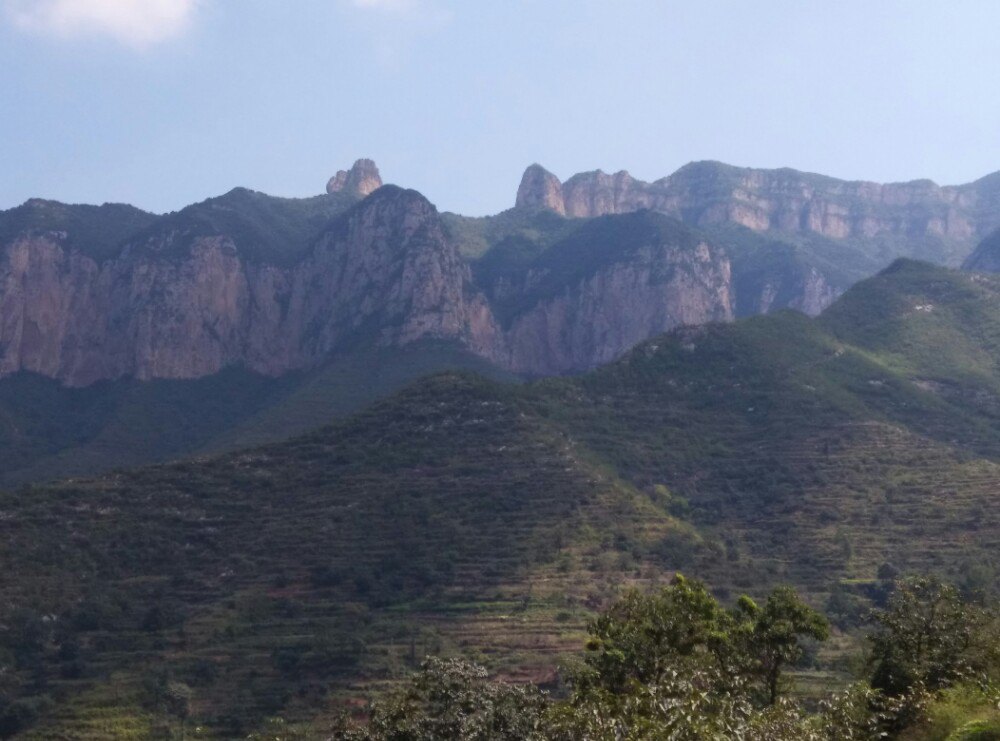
(453, 699)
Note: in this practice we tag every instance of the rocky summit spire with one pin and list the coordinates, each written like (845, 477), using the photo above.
(540, 189)
(362, 179)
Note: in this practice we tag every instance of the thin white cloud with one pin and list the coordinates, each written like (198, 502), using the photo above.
(135, 23)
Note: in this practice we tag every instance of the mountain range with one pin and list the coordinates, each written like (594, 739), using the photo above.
(396, 432)
(487, 518)
(248, 318)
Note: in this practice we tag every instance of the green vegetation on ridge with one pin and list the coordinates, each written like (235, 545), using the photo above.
(475, 236)
(96, 231)
(263, 228)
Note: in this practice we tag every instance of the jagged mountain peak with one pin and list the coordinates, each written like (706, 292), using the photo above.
(362, 179)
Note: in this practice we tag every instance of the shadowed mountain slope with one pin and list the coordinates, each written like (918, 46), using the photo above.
(986, 257)
(50, 431)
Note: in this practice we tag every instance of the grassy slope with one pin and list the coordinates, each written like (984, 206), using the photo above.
(908, 314)
(462, 515)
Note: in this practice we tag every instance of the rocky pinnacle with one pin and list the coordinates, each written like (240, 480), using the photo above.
(540, 189)
(363, 178)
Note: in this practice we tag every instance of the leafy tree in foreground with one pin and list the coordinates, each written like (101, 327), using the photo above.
(682, 628)
(926, 636)
(771, 637)
(642, 637)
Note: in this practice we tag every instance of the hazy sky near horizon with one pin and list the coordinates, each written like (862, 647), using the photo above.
(161, 103)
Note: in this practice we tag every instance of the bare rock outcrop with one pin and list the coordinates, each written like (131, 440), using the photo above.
(539, 188)
(362, 179)
(657, 288)
(597, 193)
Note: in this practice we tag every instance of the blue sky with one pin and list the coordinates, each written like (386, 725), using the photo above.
(164, 102)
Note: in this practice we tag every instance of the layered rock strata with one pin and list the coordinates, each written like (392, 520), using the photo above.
(783, 200)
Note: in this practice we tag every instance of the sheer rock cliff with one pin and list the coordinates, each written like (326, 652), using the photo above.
(174, 304)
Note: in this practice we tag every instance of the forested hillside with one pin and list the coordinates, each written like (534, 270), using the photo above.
(467, 517)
